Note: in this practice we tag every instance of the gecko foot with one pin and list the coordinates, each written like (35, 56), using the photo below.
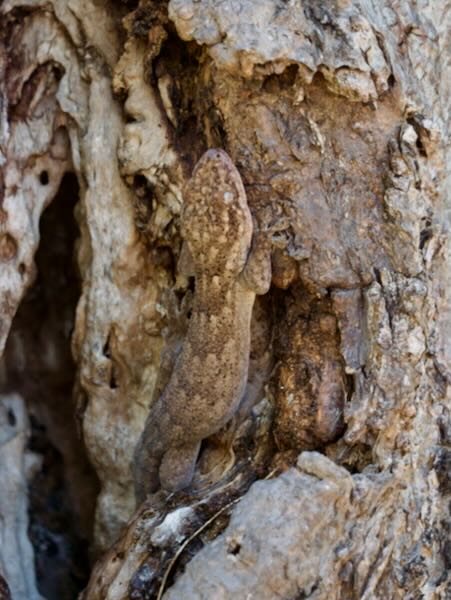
(177, 467)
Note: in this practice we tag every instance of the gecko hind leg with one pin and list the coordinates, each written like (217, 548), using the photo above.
(177, 466)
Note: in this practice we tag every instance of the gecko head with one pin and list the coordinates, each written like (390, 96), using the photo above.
(216, 221)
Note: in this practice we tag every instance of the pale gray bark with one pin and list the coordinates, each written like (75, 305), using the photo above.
(336, 115)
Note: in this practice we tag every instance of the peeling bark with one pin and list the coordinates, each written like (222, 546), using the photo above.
(337, 118)
(16, 556)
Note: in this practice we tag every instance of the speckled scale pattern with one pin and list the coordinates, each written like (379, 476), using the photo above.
(216, 221)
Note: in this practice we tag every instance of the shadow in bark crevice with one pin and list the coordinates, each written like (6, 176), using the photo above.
(38, 365)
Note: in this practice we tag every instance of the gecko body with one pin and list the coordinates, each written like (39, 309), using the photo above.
(231, 265)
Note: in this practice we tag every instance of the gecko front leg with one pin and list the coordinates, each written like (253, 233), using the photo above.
(256, 274)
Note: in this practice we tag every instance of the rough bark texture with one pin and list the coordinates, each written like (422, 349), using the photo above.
(336, 116)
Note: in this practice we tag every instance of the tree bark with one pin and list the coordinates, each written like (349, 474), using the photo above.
(333, 479)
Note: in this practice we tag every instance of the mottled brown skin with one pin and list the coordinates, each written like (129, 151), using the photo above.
(231, 266)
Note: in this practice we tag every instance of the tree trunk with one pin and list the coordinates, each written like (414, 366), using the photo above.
(333, 478)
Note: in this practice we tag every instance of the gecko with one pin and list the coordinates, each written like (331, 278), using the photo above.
(231, 262)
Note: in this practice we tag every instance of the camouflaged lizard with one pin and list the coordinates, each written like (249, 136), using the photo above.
(231, 265)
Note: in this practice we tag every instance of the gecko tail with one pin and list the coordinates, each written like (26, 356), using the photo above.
(146, 479)
(145, 472)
